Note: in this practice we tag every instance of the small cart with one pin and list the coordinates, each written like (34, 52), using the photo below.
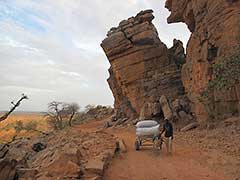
(148, 136)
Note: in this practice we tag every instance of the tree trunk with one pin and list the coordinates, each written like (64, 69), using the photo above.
(70, 119)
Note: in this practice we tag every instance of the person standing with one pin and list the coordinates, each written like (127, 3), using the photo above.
(168, 136)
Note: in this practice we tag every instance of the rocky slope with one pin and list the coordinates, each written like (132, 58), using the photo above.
(142, 67)
(215, 27)
(219, 142)
(69, 154)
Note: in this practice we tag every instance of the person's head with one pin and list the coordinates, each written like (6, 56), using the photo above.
(166, 120)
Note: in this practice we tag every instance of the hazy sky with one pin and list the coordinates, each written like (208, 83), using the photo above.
(50, 49)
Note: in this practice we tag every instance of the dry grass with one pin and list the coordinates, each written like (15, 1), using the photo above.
(7, 130)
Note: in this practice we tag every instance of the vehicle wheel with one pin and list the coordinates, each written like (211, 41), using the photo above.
(157, 144)
(137, 145)
(161, 143)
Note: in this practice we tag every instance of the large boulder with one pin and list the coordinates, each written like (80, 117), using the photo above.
(142, 67)
(166, 108)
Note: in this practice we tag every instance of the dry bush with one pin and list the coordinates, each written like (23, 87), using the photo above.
(61, 115)
(31, 126)
(19, 126)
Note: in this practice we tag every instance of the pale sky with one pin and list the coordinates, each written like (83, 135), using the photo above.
(50, 49)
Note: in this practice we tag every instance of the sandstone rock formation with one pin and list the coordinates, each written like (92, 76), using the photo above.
(68, 154)
(142, 67)
(215, 27)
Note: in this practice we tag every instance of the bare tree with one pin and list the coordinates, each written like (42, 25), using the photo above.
(59, 112)
(15, 105)
(55, 110)
(71, 110)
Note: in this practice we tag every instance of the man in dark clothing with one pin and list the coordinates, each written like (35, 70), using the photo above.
(168, 136)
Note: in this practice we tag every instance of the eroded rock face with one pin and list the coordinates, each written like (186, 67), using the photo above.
(142, 67)
(215, 27)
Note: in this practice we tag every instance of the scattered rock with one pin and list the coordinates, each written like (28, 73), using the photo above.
(62, 167)
(121, 146)
(26, 173)
(190, 126)
(64, 157)
(121, 121)
(183, 115)
(95, 166)
(108, 124)
(231, 121)
(39, 147)
(94, 178)
(135, 121)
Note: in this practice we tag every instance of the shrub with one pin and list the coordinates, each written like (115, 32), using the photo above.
(19, 126)
(226, 73)
(32, 125)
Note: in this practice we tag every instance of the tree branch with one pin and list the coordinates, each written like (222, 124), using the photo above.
(5, 116)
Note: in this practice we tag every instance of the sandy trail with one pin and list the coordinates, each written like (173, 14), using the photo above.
(147, 164)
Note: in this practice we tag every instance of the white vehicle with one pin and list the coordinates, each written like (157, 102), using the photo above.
(148, 134)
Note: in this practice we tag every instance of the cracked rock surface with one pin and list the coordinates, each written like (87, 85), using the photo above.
(142, 67)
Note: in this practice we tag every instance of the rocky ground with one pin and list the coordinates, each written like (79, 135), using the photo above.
(219, 143)
(186, 163)
(210, 152)
(69, 154)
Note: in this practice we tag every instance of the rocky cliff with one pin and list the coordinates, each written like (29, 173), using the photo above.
(142, 67)
(215, 27)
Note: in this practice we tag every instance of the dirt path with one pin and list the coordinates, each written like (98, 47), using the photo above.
(149, 165)
(146, 164)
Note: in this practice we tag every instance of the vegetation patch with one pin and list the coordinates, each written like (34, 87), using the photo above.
(225, 76)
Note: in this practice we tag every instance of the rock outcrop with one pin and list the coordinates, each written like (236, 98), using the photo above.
(142, 67)
(94, 112)
(69, 154)
(215, 27)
